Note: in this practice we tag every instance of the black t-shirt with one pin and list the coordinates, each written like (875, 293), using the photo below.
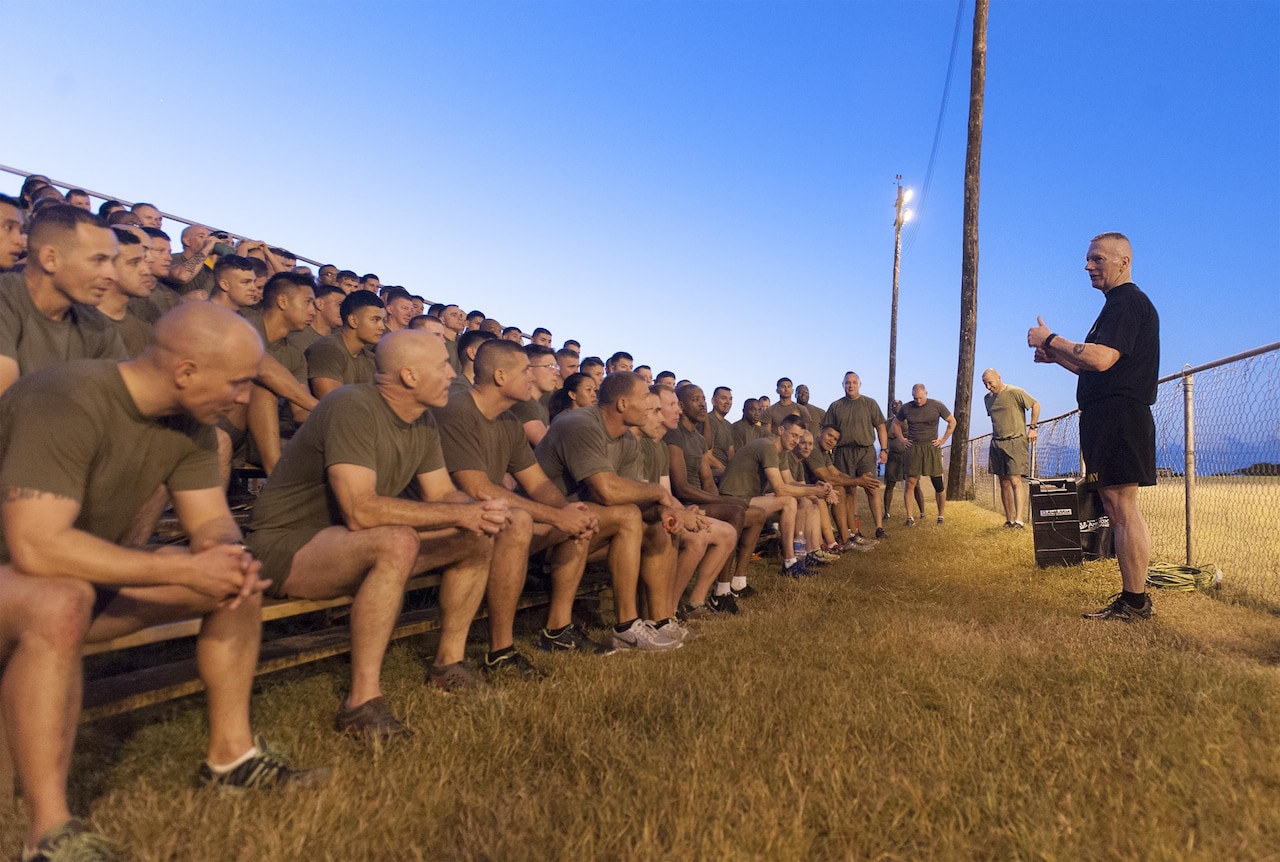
(1129, 324)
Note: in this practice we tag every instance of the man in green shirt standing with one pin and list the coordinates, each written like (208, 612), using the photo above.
(1009, 458)
(861, 425)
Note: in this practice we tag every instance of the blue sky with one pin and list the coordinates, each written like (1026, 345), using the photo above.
(708, 185)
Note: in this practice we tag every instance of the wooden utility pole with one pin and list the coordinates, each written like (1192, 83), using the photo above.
(957, 478)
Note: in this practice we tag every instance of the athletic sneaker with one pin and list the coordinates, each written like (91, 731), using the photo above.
(745, 593)
(723, 604)
(453, 677)
(675, 629)
(73, 840)
(641, 635)
(1019, 525)
(1121, 610)
(694, 612)
(571, 639)
(1008, 525)
(266, 769)
(880, 534)
(796, 570)
(510, 662)
(910, 522)
(372, 719)
(939, 520)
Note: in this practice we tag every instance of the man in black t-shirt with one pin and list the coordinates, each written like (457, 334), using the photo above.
(1117, 365)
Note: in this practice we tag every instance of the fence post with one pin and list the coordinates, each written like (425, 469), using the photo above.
(1189, 456)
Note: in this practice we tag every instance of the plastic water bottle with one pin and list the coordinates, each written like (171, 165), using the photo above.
(798, 546)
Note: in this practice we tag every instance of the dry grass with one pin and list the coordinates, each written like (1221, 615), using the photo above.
(937, 698)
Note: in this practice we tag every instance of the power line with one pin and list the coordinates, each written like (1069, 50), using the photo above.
(937, 131)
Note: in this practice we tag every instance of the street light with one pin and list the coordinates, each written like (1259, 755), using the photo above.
(902, 215)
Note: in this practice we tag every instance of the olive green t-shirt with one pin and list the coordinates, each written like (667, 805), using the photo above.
(745, 477)
(721, 437)
(304, 338)
(857, 419)
(1008, 411)
(812, 417)
(922, 419)
(816, 461)
(650, 463)
(578, 446)
(744, 432)
(472, 442)
(75, 431)
(780, 411)
(35, 342)
(134, 332)
(692, 444)
(328, 358)
(533, 410)
(352, 425)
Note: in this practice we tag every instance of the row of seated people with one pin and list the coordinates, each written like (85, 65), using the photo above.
(412, 470)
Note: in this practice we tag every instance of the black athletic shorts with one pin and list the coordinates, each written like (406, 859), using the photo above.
(1118, 442)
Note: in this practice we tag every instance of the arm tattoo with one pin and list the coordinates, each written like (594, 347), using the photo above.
(1078, 349)
(10, 494)
(193, 264)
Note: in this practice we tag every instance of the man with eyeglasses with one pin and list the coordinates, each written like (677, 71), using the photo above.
(533, 413)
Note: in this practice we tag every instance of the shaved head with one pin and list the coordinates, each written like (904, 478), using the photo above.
(405, 348)
(205, 333)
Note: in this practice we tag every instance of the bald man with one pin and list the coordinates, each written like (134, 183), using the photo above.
(331, 520)
(47, 311)
(85, 445)
(1117, 365)
(1009, 457)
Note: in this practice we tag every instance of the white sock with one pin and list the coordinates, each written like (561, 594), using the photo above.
(223, 770)
(722, 589)
(739, 582)
(786, 564)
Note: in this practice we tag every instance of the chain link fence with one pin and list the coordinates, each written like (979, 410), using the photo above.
(1216, 502)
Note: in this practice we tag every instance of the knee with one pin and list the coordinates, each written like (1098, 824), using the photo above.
(754, 517)
(62, 613)
(520, 526)
(399, 546)
(937, 484)
(789, 505)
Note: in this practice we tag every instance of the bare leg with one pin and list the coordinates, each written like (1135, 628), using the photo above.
(1007, 499)
(622, 530)
(842, 517)
(373, 565)
(42, 625)
(466, 558)
(940, 497)
(506, 577)
(908, 491)
(692, 549)
(1133, 540)
(568, 559)
(657, 567)
(877, 507)
(720, 546)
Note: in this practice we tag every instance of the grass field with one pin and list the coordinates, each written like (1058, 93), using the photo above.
(936, 698)
(1234, 528)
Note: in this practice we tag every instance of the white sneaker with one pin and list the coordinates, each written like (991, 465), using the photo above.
(641, 635)
(678, 630)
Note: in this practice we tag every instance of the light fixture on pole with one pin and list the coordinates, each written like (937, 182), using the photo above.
(902, 215)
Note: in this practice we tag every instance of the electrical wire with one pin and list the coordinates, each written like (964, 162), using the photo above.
(937, 131)
(1166, 576)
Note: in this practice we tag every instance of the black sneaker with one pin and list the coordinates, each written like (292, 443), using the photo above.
(73, 840)
(880, 534)
(266, 769)
(796, 570)
(726, 604)
(371, 719)
(509, 661)
(570, 640)
(1121, 610)
(745, 593)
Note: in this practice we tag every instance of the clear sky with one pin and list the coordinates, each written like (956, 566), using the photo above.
(708, 185)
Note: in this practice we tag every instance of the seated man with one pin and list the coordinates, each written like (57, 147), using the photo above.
(692, 482)
(802, 467)
(718, 430)
(532, 412)
(811, 509)
(754, 474)
(332, 521)
(593, 367)
(47, 313)
(820, 462)
(346, 355)
(567, 361)
(482, 441)
(133, 281)
(583, 452)
(620, 361)
(74, 480)
(288, 306)
(749, 427)
(706, 545)
(399, 308)
(327, 320)
(13, 242)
